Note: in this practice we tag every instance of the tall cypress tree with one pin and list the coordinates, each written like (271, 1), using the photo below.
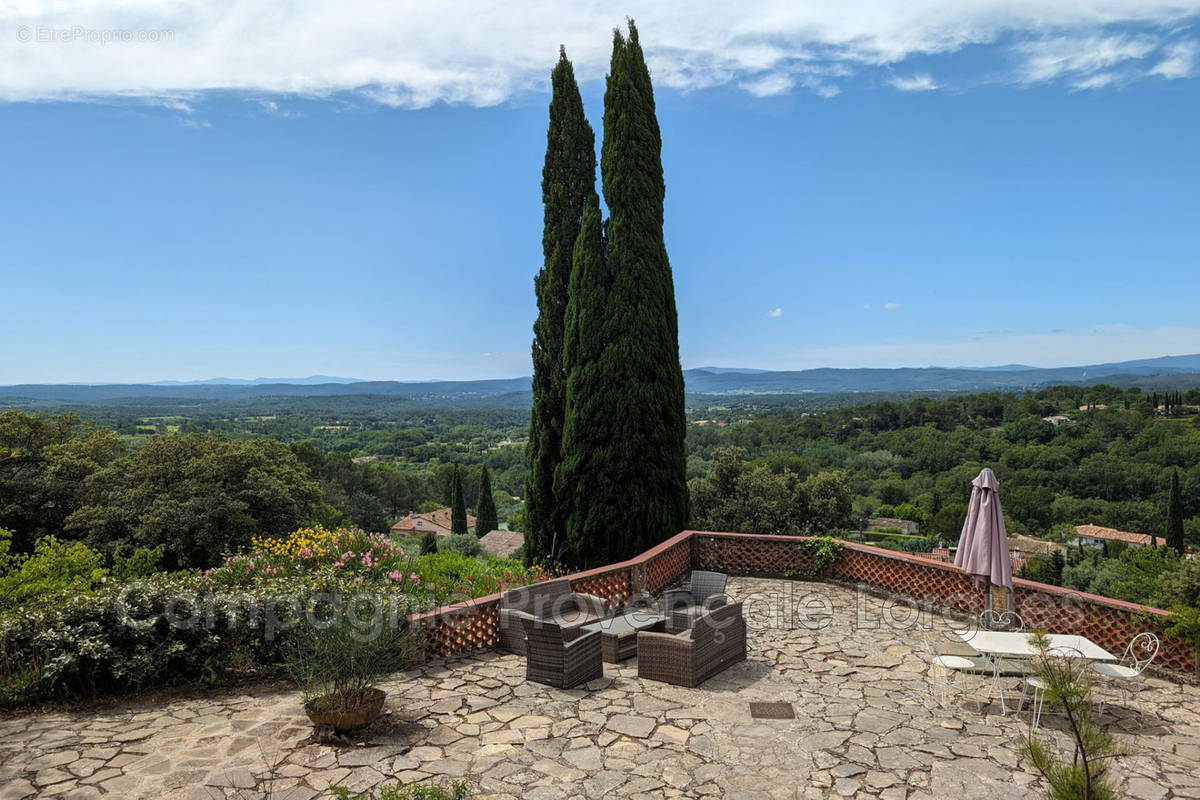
(590, 498)
(486, 520)
(568, 179)
(458, 507)
(634, 426)
(1175, 515)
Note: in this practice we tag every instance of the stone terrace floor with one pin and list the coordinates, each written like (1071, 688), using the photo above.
(865, 727)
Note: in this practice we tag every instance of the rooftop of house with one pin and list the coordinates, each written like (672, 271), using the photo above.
(1112, 534)
(501, 543)
(438, 521)
(866, 725)
(1029, 545)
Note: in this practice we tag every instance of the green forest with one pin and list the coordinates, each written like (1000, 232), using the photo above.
(215, 498)
(1110, 463)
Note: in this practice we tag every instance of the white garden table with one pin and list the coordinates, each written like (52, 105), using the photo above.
(1015, 644)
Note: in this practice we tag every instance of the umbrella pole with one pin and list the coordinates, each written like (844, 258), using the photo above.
(987, 604)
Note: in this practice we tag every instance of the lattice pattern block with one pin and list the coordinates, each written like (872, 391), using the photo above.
(668, 565)
(1109, 625)
(922, 581)
(749, 556)
(460, 628)
(612, 586)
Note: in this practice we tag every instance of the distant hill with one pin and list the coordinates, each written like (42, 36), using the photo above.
(1177, 371)
(723, 370)
(310, 380)
(937, 379)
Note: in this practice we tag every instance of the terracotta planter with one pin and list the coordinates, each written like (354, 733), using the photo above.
(335, 712)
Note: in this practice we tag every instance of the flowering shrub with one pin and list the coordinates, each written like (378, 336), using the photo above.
(451, 577)
(106, 634)
(374, 559)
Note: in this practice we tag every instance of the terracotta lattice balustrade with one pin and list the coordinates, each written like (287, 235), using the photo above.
(1109, 623)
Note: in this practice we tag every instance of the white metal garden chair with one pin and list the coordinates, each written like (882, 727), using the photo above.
(1005, 620)
(1139, 653)
(1038, 684)
(950, 670)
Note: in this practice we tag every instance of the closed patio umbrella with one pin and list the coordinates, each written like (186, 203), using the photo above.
(983, 546)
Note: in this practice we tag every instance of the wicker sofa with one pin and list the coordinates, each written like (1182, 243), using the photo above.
(552, 601)
(713, 644)
(706, 591)
(558, 656)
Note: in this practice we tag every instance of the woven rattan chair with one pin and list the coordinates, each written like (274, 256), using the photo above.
(714, 643)
(555, 658)
(552, 601)
(681, 607)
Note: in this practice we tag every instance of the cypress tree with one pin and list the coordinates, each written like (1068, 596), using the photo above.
(486, 520)
(643, 327)
(593, 512)
(636, 426)
(568, 179)
(458, 508)
(1175, 515)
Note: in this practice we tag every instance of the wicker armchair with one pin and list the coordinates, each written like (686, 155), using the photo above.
(681, 607)
(557, 658)
(717, 641)
(552, 601)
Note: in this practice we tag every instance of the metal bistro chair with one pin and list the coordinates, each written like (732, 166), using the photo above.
(1011, 622)
(1004, 620)
(1038, 684)
(961, 662)
(1141, 650)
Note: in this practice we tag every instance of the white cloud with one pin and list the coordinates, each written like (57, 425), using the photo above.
(866, 306)
(922, 82)
(769, 85)
(891, 306)
(1180, 60)
(1097, 81)
(416, 54)
(1079, 57)
(775, 313)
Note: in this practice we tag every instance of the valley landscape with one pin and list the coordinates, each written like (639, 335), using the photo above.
(901, 563)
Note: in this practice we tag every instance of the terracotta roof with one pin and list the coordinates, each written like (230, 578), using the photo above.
(437, 521)
(1027, 544)
(1098, 532)
(501, 543)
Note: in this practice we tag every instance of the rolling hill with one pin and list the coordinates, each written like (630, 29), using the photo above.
(1176, 371)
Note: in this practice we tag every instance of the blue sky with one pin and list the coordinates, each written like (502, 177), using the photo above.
(900, 194)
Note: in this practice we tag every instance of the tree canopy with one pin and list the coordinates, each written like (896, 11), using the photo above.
(198, 496)
(568, 180)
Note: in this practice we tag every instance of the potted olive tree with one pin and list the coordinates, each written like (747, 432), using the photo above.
(341, 649)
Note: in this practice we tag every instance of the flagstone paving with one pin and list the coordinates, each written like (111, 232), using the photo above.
(865, 727)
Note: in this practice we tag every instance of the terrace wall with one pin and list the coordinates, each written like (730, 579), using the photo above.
(1109, 623)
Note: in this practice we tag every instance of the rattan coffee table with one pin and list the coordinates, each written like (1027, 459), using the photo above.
(618, 635)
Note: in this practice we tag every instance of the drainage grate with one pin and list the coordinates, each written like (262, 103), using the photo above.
(772, 711)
